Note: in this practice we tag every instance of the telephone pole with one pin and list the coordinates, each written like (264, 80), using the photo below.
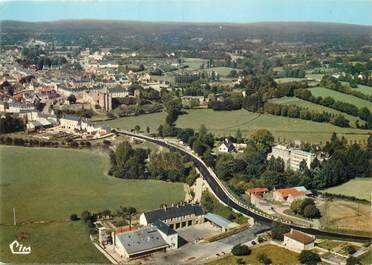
(14, 217)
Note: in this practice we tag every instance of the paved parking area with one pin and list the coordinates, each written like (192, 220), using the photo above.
(198, 232)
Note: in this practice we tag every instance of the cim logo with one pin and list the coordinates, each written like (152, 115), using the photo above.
(19, 249)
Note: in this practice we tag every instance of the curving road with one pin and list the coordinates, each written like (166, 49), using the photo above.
(223, 195)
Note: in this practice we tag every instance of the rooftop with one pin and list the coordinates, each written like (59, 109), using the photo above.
(173, 212)
(290, 191)
(300, 236)
(144, 239)
(257, 190)
(220, 221)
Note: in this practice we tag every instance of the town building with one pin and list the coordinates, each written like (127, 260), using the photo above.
(298, 241)
(70, 122)
(258, 191)
(175, 217)
(169, 235)
(292, 157)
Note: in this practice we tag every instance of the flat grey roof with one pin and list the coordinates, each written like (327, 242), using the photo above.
(220, 221)
(145, 239)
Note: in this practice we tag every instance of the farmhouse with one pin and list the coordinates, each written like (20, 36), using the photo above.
(292, 157)
(258, 191)
(297, 241)
(176, 216)
(226, 146)
(290, 194)
(139, 243)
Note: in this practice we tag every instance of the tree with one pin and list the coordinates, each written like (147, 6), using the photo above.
(240, 250)
(279, 230)
(353, 261)
(85, 216)
(263, 138)
(71, 99)
(239, 137)
(74, 217)
(263, 259)
(296, 206)
(309, 258)
(311, 211)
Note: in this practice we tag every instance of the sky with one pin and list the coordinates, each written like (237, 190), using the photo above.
(234, 11)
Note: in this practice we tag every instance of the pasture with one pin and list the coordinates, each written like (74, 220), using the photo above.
(288, 79)
(46, 186)
(277, 255)
(364, 89)
(324, 92)
(346, 216)
(360, 188)
(225, 123)
(315, 107)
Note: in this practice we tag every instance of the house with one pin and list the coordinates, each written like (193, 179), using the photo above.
(289, 194)
(226, 146)
(139, 243)
(298, 241)
(292, 157)
(176, 216)
(259, 191)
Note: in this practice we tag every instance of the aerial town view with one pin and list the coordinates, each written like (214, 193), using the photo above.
(186, 132)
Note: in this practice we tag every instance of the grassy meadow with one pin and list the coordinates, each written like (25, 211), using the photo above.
(224, 123)
(324, 92)
(277, 255)
(360, 188)
(46, 186)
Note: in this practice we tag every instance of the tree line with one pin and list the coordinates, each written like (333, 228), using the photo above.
(298, 112)
(363, 113)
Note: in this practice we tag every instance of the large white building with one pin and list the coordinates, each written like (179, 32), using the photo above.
(292, 157)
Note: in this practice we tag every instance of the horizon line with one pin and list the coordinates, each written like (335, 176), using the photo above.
(182, 22)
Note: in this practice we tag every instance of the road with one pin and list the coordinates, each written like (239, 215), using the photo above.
(224, 196)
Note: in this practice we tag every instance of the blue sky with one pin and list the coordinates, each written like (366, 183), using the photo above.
(240, 11)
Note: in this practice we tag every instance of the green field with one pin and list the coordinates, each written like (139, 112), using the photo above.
(224, 123)
(364, 89)
(277, 255)
(314, 107)
(288, 79)
(222, 71)
(47, 185)
(360, 188)
(367, 258)
(324, 92)
(195, 63)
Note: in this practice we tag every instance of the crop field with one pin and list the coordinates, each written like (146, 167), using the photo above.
(224, 123)
(364, 89)
(277, 255)
(315, 107)
(346, 216)
(360, 188)
(46, 186)
(324, 92)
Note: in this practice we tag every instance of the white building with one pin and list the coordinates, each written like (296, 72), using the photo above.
(291, 157)
(298, 241)
(226, 146)
(70, 122)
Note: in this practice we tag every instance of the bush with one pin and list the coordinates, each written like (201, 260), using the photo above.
(350, 249)
(279, 230)
(74, 217)
(353, 261)
(262, 258)
(86, 216)
(309, 258)
(240, 250)
(310, 211)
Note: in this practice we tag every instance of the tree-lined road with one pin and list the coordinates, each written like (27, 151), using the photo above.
(227, 198)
